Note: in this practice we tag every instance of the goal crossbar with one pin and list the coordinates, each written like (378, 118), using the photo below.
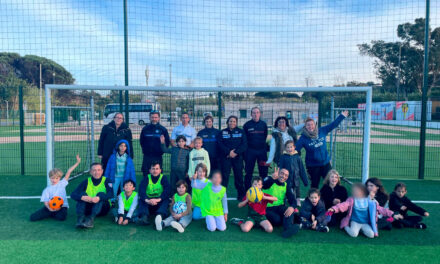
(367, 125)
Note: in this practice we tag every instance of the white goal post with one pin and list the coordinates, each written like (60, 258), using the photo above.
(367, 122)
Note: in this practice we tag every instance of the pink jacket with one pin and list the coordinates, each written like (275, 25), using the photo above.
(347, 206)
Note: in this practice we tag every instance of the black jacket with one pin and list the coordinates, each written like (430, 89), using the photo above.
(110, 136)
(165, 184)
(328, 194)
(293, 163)
(210, 138)
(150, 139)
(229, 140)
(256, 134)
(307, 210)
(290, 196)
(396, 203)
(80, 190)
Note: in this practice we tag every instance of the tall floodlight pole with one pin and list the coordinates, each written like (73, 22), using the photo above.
(41, 96)
(147, 75)
(170, 94)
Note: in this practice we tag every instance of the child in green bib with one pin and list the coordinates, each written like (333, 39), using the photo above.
(200, 175)
(214, 203)
(127, 203)
(180, 208)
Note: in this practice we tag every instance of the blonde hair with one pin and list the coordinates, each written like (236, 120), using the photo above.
(198, 138)
(329, 174)
(55, 173)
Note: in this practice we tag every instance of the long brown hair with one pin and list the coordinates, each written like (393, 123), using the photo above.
(381, 192)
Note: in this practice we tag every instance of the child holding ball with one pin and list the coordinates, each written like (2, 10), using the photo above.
(57, 187)
(200, 176)
(127, 203)
(214, 204)
(179, 219)
(256, 211)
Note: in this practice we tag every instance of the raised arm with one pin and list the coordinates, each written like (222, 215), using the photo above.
(70, 170)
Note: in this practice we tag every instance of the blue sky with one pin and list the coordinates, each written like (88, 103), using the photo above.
(259, 43)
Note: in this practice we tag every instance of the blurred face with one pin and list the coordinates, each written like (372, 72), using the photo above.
(122, 148)
(257, 184)
(181, 143)
(290, 148)
(155, 170)
(208, 123)
(283, 175)
(401, 192)
(372, 188)
(314, 198)
(198, 144)
(282, 124)
(310, 126)
(54, 180)
(181, 190)
(128, 188)
(216, 179)
(256, 114)
(201, 174)
(232, 123)
(357, 193)
(96, 171)
(333, 180)
(185, 119)
(154, 119)
(119, 118)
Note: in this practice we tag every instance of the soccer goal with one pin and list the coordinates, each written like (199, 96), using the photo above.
(295, 103)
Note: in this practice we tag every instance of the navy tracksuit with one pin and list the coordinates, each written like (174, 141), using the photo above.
(150, 144)
(227, 141)
(256, 134)
(209, 136)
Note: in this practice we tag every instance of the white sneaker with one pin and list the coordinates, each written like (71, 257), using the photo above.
(177, 226)
(158, 222)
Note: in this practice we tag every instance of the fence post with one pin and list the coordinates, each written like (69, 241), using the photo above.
(424, 97)
(127, 117)
(219, 111)
(332, 117)
(20, 99)
(319, 109)
(92, 127)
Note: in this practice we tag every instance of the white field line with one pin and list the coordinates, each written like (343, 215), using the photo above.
(229, 199)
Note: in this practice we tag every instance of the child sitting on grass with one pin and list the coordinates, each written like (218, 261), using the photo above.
(179, 159)
(362, 213)
(120, 167)
(256, 211)
(312, 212)
(57, 187)
(199, 176)
(198, 155)
(399, 202)
(292, 161)
(179, 221)
(127, 203)
(214, 204)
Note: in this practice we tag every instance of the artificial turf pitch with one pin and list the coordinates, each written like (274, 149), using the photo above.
(49, 241)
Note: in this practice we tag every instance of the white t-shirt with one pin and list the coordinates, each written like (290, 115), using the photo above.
(58, 189)
(188, 131)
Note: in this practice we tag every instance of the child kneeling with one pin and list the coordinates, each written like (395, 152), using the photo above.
(180, 208)
(127, 204)
(313, 212)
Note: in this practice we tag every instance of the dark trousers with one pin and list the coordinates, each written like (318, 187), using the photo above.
(43, 213)
(92, 209)
(307, 224)
(275, 215)
(335, 220)
(237, 166)
(175, 176)
(409, 221)
(146, 163)
(316, 173)
(215, 164)
(104, 162)
(145, 209)
(251, 156)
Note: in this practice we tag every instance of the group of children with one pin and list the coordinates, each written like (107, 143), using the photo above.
(183, 199)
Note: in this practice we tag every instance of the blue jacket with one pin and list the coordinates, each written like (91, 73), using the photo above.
(316, 148)
(110, 171)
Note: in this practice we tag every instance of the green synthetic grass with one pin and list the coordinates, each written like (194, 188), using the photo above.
(49, 241)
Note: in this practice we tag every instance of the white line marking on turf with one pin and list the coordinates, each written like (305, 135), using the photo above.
(229, 199)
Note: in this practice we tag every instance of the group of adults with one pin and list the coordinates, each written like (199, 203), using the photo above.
(231, 148)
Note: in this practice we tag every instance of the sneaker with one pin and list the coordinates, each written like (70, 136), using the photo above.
(88, 223)
(290, 232)
(158, 222)
(323, 229)
(143, 220)
(421, 226)
(236, 221)
(177, 226)
(80, 222)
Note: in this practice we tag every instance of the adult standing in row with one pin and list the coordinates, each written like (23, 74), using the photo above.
(150, 142)
(232, 143)
(209, 135)
(184, 129)
(281, 133)
(256, 134)
(111, 133)
(314, 141)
